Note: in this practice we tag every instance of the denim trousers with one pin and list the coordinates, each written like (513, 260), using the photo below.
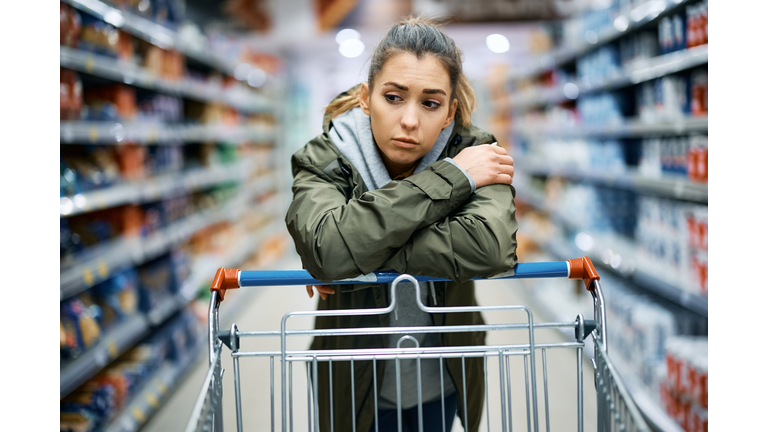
(432, 413)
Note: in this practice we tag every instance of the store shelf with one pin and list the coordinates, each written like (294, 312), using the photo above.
(126, 334)
(85, 132)
(133, 74)
(625, 23)
(669, 187)
(651, 410)
(98, 263)
(155, 188)
(151, 32)
(654, 413)
(630, 128)
(108, 348)
(617, 255)
(637, 72)
(156, 390)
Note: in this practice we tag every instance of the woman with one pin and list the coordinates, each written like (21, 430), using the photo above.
(401, 180)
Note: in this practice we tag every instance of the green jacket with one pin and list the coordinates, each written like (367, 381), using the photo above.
(428, 224)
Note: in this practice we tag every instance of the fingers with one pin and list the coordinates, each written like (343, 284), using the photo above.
(323, 290)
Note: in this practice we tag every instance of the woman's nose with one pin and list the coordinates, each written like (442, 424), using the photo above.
(410, 119)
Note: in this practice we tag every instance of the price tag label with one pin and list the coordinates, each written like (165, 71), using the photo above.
(87, 276)
(93, 134)
(112, 349)
(162, 387)
(152, 136)
(138, 415)
(89, 64)
(103, 270)
(152, 400)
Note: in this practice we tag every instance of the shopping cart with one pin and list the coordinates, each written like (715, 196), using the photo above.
(616, 410)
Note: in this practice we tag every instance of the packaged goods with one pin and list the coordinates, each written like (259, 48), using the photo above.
(130, 159)
(699, 93)
(638, 46)
(79, 325)
(98, 36)
(684, 392)
(672, 33)
(665, 98)
(117, 297)
(71, 92)
(697, 27)
(698, 159)
(156, 282)
(160, 108)
(70, 26)
(602, 109)
(599, 65)
(121, 97)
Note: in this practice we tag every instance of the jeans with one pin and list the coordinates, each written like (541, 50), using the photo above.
(432, 413)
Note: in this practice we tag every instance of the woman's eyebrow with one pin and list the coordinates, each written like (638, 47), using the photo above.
(404, 88)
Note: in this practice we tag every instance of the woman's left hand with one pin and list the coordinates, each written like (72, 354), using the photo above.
(323, 290)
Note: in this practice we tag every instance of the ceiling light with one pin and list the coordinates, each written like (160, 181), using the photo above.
(351, 48)
(497, 43)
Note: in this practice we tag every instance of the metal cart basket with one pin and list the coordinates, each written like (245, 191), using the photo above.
(616, 410)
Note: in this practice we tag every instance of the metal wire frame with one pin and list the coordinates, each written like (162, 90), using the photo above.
(616, 411)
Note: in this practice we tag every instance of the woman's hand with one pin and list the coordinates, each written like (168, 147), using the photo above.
(323, 290)
(487, 164)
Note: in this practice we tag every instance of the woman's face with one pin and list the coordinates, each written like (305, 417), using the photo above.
(409, 105)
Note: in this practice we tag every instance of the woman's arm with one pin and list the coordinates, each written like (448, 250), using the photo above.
(338, 239)
(479, 240)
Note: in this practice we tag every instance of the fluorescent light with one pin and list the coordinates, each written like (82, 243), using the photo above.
(571, 90)
(257, 77)
(497, 43)
(351, 48)
(346, 34)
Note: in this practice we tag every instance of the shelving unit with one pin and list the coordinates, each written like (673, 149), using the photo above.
(129, 73)
(152, 32)
(669, 186)
(627, 22)
(627, 129)
(635, 73)
(541, 125)
(247, 204)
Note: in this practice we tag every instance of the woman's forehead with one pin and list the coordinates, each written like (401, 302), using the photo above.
(406, 70)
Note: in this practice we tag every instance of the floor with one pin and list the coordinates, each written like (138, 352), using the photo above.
(266, 307)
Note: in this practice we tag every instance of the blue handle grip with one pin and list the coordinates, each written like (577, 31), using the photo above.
(256, 278)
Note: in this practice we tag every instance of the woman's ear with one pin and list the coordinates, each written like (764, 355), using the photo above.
(451, 113)
(365, 97)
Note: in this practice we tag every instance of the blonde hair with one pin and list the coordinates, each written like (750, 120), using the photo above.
(420, 37)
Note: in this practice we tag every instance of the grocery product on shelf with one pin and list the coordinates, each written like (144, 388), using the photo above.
(609, 131)
(671, 239)
(99, 400)
(684, 390)
(79, 327)
(71, 89)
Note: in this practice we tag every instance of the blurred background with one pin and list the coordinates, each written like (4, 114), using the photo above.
(178, 119)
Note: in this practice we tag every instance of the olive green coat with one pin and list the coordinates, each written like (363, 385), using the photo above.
(427, 224)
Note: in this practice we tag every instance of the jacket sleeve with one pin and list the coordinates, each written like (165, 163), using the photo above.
(338, 239)
(478, 240)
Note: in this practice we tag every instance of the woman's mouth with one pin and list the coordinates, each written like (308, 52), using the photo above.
(406, 143)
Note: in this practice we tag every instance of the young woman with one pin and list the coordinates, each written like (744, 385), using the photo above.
(401, 180)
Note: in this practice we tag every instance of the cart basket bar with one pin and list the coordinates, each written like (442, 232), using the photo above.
(579, 268)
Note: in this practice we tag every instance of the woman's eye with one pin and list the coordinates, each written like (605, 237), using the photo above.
(391, 98)
(432, 104)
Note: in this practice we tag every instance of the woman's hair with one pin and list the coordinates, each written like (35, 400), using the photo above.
(420, 37)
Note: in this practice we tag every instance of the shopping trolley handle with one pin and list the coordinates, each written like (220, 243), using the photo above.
(578, 268)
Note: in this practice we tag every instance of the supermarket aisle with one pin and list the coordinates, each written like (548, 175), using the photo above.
(264, 312)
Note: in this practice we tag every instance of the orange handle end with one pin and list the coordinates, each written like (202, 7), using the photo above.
(225, 279)
(582, 268)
